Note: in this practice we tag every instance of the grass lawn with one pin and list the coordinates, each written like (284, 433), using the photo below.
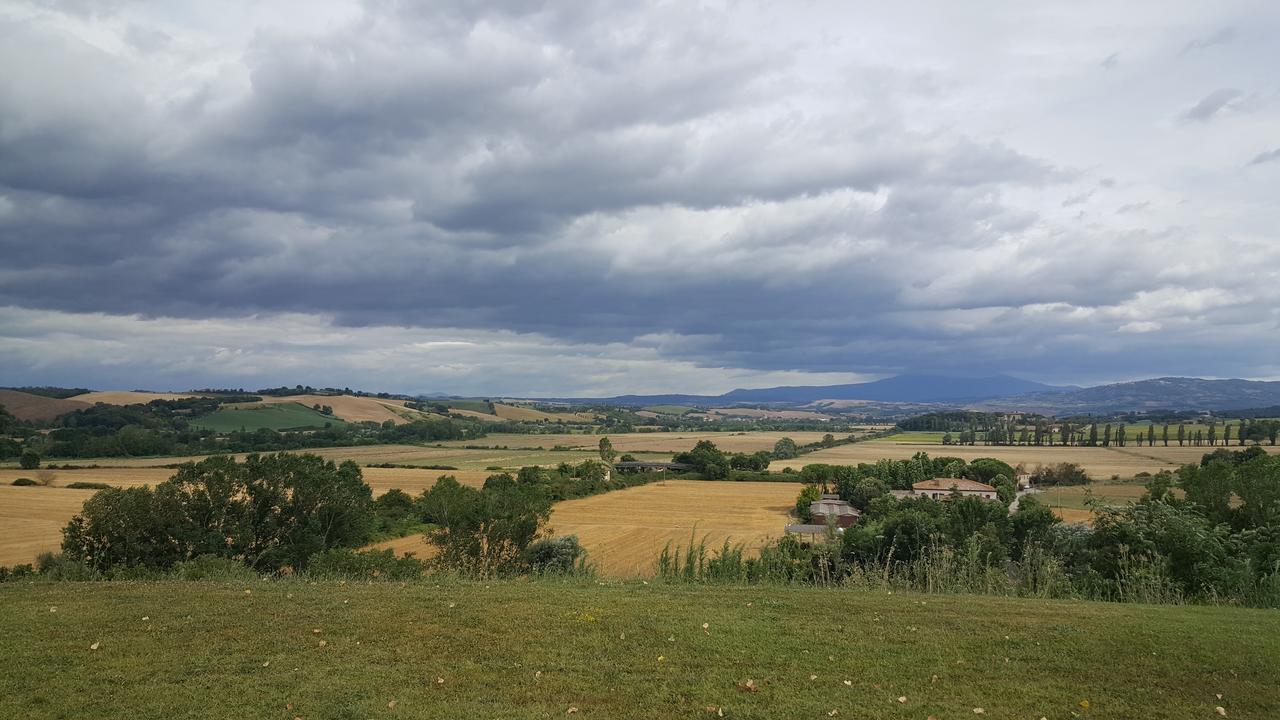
(276, 416)
(520, 649)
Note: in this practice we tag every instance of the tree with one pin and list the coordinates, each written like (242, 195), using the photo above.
(707, 460)
(1213, 434)
(786, 449)
(1182, 434)
(268, 512)
(1151, 435)
(1093, 434)
(606, 451)
(1165, 435)
(1226, 434)
(808, 494)
(1106, 435)
(485, 531)
(30, 459)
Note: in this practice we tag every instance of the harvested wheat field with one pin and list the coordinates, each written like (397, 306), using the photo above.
(350, 407)
(623, 531)
(1099, 462)
(654, 442)
(130, 397)
(31, 520)
(528, 414)
(410, 480)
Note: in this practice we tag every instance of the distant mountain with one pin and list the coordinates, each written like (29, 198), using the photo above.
(899, 389)
(1167, 393)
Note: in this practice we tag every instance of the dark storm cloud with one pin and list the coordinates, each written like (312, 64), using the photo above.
(759, 194)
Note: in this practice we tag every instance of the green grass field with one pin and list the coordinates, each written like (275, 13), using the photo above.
(669, 409)
(282, 416)
(522, 649)
(914, 436)
(479, 406)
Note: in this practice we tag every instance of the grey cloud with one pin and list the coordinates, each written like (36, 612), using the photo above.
(1210, 105)
(1221, 37)
(1266, 157)
(1111, 61)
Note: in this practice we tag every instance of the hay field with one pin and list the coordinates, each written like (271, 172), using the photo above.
(623, 531)
(655, 442)
(1098, 462)
(129, 397)
(474, 414)
(31, 520)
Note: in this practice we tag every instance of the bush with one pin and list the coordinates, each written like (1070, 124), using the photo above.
(62, 568)
(556, 556)
(365, 565)
(212, 567)
(81, 485)
(25, 482)
(30, 460)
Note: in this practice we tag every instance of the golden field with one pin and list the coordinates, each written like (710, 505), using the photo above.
(1100, 463)
(32, 518)
(623, 531)
(654, 442)
(129, 397)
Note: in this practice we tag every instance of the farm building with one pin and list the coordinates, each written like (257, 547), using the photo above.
(941, 488)
(829, 511)
(830, 508)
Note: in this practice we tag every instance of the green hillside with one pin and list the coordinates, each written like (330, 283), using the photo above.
(536, 649)
(276, 416)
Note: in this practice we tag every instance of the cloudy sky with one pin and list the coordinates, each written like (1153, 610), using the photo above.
(542, 198)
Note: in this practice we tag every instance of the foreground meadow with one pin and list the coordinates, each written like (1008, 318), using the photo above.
(538, 649)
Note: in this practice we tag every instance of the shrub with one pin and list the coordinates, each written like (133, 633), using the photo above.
(25, 482)
(556, 556)
(30, 460)
(364, 565)
(63, 568)
(212, 567)
(81, 485)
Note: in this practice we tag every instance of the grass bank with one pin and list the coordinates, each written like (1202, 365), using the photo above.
(522, 649)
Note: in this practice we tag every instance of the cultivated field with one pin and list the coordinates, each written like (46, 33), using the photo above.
(451, 455)
(129, 397)
(349, 407)
(31, 520)
(528, 414)
(38, 408)
(520, 649)
(655, 442)
(1099, 462)
(273, 416)
(623, 531)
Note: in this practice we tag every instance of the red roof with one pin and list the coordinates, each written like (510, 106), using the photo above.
(947, 484)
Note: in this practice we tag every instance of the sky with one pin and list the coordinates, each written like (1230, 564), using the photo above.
(596, 198)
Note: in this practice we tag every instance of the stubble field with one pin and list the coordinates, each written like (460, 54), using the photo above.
(1098, 462)
(624, 531)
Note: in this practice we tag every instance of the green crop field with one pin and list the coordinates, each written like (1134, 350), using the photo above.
(281, 416)
(914, 436)
(539, 649)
